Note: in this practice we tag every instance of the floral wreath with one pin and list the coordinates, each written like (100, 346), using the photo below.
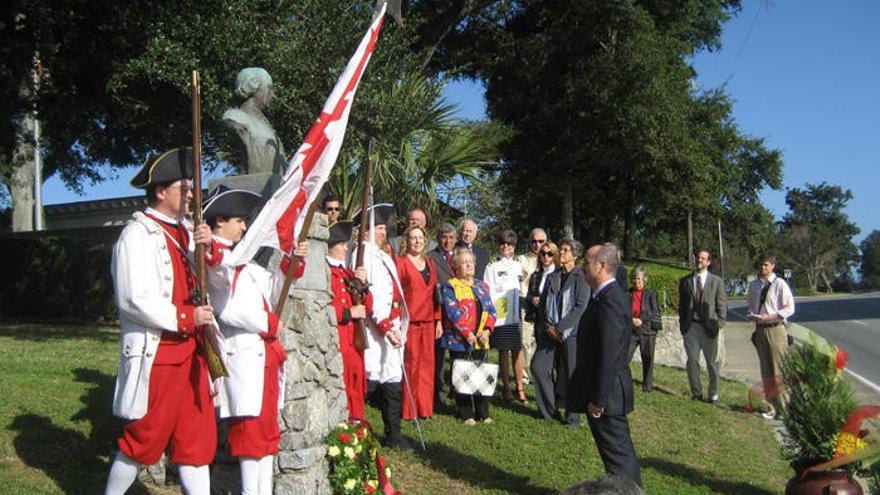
(357, 466)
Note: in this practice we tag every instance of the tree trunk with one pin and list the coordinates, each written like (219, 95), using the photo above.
(567, 211)
(21, 184)
(828, 287)
(628, 222)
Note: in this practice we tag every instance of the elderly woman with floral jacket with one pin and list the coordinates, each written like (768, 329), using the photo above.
(469, 321)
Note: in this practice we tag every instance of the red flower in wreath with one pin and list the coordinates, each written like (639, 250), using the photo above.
(362, 433)
(841, 359)
(369, 488)
(344, 438)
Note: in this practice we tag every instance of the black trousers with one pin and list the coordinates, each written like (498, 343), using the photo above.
(441, 375)
(611, 434)
(387, 397)
(552, 367)
(646, 344)
(470, 406)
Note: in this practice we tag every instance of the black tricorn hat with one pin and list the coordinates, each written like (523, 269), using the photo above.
(229, 203)
(382, 211)
(172, 165)
(340, 232)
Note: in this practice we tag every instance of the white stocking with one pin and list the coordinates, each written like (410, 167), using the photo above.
(123, 472)
(266, 467)
(250, 475)
(196, 480)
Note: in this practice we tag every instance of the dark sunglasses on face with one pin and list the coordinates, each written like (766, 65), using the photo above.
(546, 253)
(538, 241)
(330, 208)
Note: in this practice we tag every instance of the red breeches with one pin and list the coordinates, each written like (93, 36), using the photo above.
(418, 360)
(355, 377)
(259, 436)
(180, 414)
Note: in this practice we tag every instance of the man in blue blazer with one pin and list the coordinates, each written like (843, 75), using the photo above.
(603, 386)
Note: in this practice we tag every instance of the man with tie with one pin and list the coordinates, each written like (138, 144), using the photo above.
(468, 237)
(602, 383)
(702, 313)
(770, 305)
(442, 257)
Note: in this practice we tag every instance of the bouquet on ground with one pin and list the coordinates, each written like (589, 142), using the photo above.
(823, 422)
(357, 466)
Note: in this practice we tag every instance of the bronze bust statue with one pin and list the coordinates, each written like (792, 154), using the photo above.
(262, 151)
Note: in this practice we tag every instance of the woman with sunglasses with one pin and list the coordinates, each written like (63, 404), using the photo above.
(503, 277)
(564, 298)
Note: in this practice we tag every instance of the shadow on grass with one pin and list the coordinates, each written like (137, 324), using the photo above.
(694, 476)
(476, 472)
(73, 460)
(43, 332)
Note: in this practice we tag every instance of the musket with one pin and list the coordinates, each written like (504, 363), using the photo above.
(199, 295)
(357, 289)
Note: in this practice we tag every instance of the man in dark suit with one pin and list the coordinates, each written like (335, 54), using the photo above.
(702, 313)
(442, 257)
(602, 386)
(467, 238)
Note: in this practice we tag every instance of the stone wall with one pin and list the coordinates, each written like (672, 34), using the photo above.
(314, 392)
(669, 350)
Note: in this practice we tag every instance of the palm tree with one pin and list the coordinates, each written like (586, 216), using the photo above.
(419, 147)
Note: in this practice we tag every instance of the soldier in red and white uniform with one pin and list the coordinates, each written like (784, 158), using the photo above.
(243, 297)
(387, 322)
(162, 386)
(353, 371)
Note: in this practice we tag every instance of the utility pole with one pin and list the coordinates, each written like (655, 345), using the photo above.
(690, 239)
(721, 249)
(38, 165)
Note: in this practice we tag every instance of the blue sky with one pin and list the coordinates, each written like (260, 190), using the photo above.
(804, 74)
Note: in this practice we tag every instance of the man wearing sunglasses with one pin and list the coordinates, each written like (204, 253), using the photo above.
(529, 261)
(332, 208)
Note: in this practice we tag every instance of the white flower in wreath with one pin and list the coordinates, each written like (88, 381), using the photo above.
(333, 451)
(373, 483)
(388, 472)
(349, 484)
(349, 452)
(342, 426)
(359, 448)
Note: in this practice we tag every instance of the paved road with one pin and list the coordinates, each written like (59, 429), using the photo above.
(850, 322)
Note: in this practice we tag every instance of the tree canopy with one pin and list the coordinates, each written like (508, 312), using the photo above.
(817, 235)
(870, 266)
(605, 122)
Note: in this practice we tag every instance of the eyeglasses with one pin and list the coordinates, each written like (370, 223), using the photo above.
(538, 241)
(181, 186)
(332, 208)
(546, 254)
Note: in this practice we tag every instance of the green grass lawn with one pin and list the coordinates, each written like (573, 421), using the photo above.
(56, 432)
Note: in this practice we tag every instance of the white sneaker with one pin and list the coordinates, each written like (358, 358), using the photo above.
(770, 413)
(470, 421)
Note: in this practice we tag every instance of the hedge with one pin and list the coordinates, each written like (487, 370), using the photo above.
(663, 278)
(66, 276)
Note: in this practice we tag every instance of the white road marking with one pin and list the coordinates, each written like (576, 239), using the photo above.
(868, 383)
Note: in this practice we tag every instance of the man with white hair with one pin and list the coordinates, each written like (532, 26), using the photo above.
(415, 217)
(467, 238)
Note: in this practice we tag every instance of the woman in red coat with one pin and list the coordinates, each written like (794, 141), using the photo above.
(418, 276)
